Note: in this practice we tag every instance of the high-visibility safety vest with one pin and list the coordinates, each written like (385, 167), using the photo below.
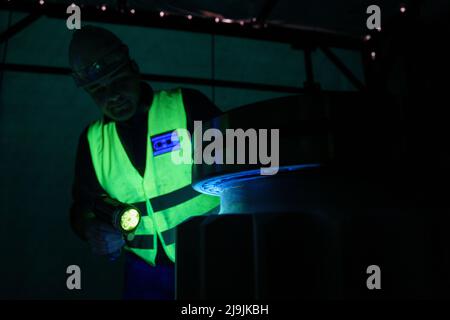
(164, 194)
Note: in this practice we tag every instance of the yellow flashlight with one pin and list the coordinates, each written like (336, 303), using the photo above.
(122, 216)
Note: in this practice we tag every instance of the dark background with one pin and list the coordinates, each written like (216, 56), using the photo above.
(42, 115)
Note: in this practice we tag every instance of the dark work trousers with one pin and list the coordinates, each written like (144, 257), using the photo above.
(145, 282)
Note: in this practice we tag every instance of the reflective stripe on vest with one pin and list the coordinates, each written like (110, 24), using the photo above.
(164, 194)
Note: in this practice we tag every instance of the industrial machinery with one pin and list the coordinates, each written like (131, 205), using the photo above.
(335, 208)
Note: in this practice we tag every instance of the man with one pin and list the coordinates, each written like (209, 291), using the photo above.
(124, 156)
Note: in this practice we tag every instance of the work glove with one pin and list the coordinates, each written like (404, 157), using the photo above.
(104, 239)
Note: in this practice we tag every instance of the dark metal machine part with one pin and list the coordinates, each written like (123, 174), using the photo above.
(336, 207)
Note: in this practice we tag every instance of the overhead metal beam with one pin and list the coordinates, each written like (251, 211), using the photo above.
(160, 78)
(309, 66)
(19, 26)
(343, 68)
(274, 33)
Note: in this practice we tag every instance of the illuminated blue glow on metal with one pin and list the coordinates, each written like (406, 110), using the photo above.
(165, 142)
(215, 185)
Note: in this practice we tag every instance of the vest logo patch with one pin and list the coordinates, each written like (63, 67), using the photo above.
(165, 142)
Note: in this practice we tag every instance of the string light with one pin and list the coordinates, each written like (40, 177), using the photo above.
(367, 37)
(162, 14)
(373, 55)
(402, 9)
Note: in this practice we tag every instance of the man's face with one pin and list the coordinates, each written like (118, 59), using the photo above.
(117, 93)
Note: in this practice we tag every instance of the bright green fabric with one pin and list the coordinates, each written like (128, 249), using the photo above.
(123, 182)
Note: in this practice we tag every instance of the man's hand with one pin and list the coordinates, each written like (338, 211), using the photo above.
(103, 238)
